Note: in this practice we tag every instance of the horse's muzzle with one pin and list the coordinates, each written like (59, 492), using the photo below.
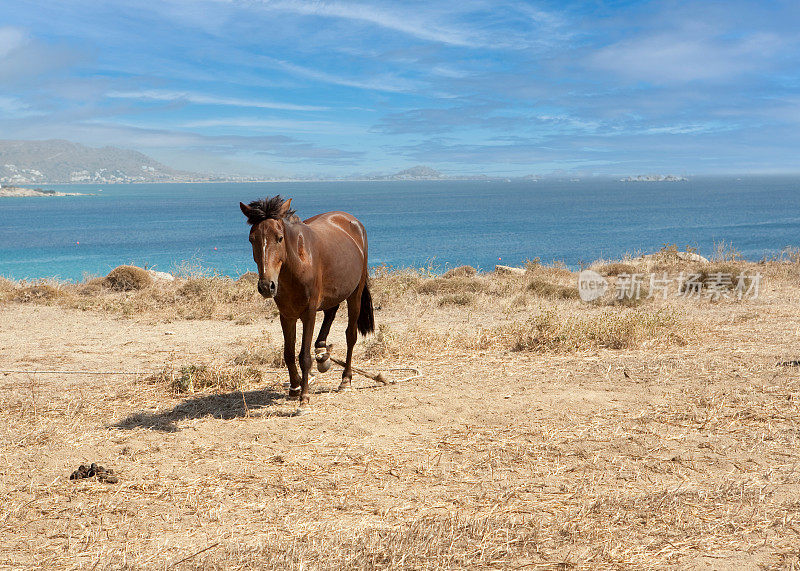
(267, 288)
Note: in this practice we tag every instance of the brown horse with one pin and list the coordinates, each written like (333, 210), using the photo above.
(311, 266)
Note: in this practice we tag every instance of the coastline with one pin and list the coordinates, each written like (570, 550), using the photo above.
(17, 192)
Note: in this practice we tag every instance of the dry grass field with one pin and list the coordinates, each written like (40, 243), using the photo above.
(545, 433)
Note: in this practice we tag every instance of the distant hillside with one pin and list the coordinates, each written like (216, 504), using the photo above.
(58, 161)
(418, 173)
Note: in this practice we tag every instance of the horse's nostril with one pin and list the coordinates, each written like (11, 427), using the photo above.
(272, 287)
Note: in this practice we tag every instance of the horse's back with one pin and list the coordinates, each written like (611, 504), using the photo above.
(330, 223)
(340, 250)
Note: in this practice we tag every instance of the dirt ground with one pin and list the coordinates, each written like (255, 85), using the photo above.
(677, 451)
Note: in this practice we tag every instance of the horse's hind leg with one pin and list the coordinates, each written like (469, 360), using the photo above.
(289, 327)
(351, 334)
(321, 344)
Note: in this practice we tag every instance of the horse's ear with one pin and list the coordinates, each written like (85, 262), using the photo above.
(285, 208)
(246, 210)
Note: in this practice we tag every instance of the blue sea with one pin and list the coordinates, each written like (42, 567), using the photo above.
(410, 224)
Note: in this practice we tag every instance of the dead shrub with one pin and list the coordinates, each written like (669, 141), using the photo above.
(617, 268)
(128, 278)
(724, 275)
(91, 287)
(544, 288)
(249, 278)
(383, 344)
(259, 355)
(441, 286)
(457, 299)
(191, 378)
(612, 329)
(38, 292)
(7, 288)
(725, 252)
(791, 254)
(460, 272)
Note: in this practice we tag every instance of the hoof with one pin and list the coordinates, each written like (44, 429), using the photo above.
(345, 385)
(323, 359)
(294, 394)
(324, 365)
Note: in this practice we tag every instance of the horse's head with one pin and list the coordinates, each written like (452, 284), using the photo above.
(267, 220)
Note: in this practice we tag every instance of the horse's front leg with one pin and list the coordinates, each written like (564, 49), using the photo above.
(351, 335)
(305, 352)
(289, 327)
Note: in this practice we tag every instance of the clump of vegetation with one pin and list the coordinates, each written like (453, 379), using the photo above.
(254, 356)
(725, 252)
(724, 276)
(249, 278)
(531, 265)
(38, 292)
(617, 268)
(191, 378)
(205, 297)
(544, 288)
(383, 344)
(128, 278)
(612, 329)
(790, 254)
(440, 286)
(460, 272)
(457, 299)
(7, 289)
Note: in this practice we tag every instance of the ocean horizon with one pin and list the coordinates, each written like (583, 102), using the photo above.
(436, 224)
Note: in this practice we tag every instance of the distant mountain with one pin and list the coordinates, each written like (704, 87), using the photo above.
(58, 161)
(418, 172)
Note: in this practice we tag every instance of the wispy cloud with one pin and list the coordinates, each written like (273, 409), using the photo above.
(286, 125)
(203, 99)
(691, 52)
(406, 21)
(380, 82)
(471, 24)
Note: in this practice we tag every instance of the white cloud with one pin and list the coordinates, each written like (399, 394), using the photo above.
(13, 107)
(10, 40)
(202, 99)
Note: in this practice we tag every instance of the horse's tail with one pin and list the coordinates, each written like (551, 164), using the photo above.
(366, 320)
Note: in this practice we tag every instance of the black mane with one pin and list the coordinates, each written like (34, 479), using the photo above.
(267, 208)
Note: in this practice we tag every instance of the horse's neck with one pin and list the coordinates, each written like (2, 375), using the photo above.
(298, 243)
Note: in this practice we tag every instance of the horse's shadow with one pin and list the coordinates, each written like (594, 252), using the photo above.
(236, 404)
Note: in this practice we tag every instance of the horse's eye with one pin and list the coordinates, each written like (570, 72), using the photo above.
(280, 239)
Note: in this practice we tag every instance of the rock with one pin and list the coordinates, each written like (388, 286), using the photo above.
(686, 256)
(161, 276)
(691, 257)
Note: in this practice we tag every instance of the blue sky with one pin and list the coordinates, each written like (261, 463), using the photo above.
(280, 88)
